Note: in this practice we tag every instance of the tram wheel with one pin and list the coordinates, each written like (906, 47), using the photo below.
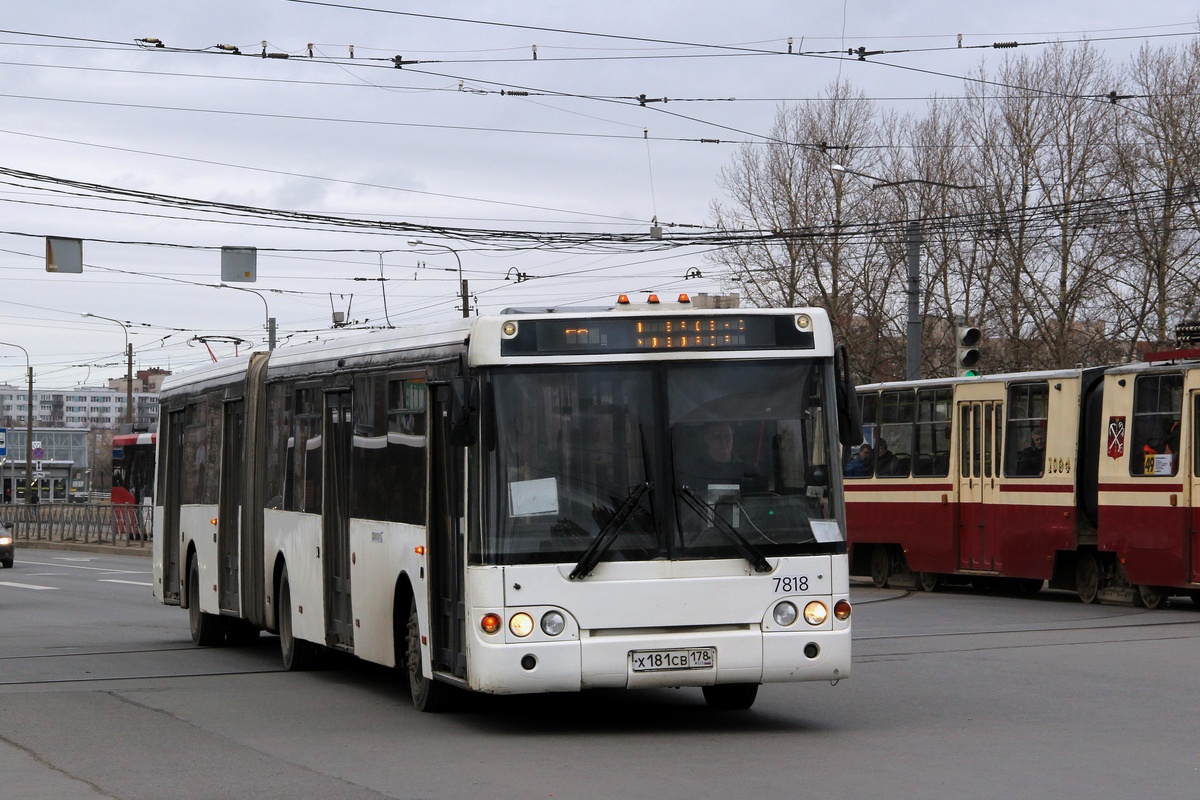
(206, 629)
(1087, 578)
(427, 694)
(1029, 585)
(929, 581)
(730, 696)
(881, 566)
(1152, 597)
(297, 654)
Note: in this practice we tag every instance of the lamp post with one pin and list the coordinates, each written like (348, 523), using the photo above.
(28, 426)
(266, 309)
(913, 331)
(462, 284)
(128, 366)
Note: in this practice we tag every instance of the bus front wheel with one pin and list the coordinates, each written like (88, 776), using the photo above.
(730, 696)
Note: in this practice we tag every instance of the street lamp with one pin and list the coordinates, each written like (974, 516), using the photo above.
(912, 343)
(128, 366)
(462, 284)
(266, 309)
(28, 426)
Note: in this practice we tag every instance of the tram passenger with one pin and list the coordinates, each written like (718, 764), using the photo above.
(1032, 460)
(862, 464)
(885, 459)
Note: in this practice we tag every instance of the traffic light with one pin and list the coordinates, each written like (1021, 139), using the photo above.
(966, 340)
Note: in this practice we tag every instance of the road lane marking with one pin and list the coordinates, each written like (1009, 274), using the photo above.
(25, 585)
(131, 583)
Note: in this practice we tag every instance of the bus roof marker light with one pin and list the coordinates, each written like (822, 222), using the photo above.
(652, 299)
(685, 299)
(803, 321)
(622, 299)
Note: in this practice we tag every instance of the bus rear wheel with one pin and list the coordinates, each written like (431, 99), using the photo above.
(206, 628)
(427, 694)
(730, 696)
(297, 653)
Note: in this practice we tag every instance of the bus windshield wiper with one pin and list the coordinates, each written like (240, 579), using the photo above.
(608, 534)
(739, 542)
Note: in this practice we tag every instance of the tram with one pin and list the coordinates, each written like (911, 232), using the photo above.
(1083, 478)
(527, 502)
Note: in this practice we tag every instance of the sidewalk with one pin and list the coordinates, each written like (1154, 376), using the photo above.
(138, 549)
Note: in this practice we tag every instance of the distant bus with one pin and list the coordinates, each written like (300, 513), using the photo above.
(521, 503)
(133, 468)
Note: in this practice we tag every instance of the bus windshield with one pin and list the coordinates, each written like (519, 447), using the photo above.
(678, 460)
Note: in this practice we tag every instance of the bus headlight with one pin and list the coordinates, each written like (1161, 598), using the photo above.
(785, 614)
(553, 623)
(521, 624)
(815, 613)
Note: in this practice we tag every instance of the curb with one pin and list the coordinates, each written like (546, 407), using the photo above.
(82, 547)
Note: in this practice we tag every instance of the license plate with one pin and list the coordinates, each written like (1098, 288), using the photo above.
(662, 660)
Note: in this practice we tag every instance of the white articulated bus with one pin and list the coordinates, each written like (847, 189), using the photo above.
(528, 502)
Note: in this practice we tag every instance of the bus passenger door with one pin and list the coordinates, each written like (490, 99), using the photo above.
(335, 551)
(446, 552)
(172, 469)
(980, 437)
(229, 510)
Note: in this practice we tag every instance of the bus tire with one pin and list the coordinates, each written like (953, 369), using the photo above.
(206, 629)
(428, 695)
(297, 654)
(730, 696)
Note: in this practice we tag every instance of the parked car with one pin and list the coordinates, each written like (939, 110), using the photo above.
(6, 544)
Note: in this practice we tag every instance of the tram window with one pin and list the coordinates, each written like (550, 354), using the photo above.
(1025, 448)
(860, 463)
(894, 445)
(1157, 407)
(931, 450)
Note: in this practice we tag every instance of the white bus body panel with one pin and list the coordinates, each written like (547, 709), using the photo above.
(381, 552)
(655, 605)
(157, 554)
(196, 529)
(297, 538)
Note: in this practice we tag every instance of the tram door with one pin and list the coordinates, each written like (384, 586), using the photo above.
(229, 513)
(335, 558)
(446, 554)
(981, 436)
(1194, 528)
(172, 493)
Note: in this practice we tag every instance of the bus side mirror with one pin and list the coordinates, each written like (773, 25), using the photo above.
(816, 475)
(464, 411)
(849, 421)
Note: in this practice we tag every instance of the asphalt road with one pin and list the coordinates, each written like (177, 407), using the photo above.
(953, 695)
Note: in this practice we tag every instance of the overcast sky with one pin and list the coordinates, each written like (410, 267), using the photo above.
(443, 143)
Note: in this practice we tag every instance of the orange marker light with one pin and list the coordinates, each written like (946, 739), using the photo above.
(213, 521)
(623, 300)
(419, 549)
(652, 298)
(683, 298)
(490, 623)
(841, 609)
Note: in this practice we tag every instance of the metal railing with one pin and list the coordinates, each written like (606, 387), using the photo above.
(86, 523)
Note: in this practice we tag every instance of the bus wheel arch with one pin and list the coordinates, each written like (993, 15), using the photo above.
(297, 654)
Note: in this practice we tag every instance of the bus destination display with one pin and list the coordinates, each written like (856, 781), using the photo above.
(640, 334)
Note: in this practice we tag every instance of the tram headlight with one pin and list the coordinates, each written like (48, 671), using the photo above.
(785, 614)
(553, 623)
(521, 624)
(816, 612)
